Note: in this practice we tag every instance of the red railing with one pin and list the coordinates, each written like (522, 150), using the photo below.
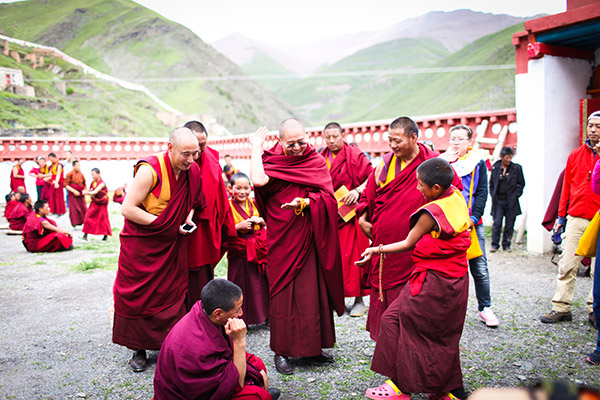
(489, 128)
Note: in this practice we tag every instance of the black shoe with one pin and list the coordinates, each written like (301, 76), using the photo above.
(323, 358)
(554, 316)
(283, 365)
(274, 392)
(84, 237)
(494, 249)
(592, 320)
(594, 358)
(507, 249)
(105, 238)
(139, 361)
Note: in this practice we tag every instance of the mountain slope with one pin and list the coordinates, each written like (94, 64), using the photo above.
(128, 41)
(371, 97)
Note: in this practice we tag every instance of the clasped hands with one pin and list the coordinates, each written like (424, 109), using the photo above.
(235, 328)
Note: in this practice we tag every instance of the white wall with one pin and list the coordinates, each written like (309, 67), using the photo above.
(547, 102)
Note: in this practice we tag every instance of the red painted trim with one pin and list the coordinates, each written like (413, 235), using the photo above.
(538, 50)
(581, 14)
(520, 41)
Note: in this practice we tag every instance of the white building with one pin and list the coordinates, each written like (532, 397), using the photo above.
(10, 76)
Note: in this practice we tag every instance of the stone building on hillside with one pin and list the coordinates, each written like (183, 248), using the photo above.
(10, 77)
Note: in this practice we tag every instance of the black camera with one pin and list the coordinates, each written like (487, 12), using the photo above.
(557, 235)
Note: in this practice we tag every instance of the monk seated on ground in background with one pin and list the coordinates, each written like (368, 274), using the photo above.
(40, 233)
(11, 201)
(204, 356)
(18, 215)
(417, 346)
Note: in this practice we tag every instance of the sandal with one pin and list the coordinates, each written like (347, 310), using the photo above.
(594, 358)
(447, 396)
(387, 391)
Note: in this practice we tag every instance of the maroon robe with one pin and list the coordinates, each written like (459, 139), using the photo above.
(420, 331)
(18, 216)
(9, 207)
(96, 218)
(77, 204)
(215, 225)
(56, 199)
(246, 261)
(350, 168)
(388, 209)
(119, 195)
(151, 281)
(304, 261)
(196, 362)
(36, 239)
(16, 182)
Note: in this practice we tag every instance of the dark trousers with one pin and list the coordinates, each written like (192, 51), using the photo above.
(503, 211)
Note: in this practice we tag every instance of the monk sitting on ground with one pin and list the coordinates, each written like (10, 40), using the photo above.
(40, 233)
(204, 356)
(11, 201)
(417, 346)
(18, 215)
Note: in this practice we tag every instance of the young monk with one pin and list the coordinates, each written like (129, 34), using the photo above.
(75, 185)
(417, 346)
(18, 215)
(40, 233)
(96, 218)
(247, 254)
(11, 201)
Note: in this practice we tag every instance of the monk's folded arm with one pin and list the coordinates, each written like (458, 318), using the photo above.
(140, 187)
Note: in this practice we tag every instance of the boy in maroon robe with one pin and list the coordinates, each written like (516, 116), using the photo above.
(390, 196)
(41, 234)
(120, 194)
(12, 199)
(17, 175)
(75, 185)
(349, 167)
(215, 221)
(419, 333)
(96, 218)
(57, 194)
(247, 254)
(295, 196)
(151, 282)
(18, 215)
(204, 356)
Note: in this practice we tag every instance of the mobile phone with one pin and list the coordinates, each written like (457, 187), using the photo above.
(189, 228)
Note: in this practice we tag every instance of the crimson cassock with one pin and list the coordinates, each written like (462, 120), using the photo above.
(304, 263)
(77, 206)
(196, 362)
(151, 281)
(420, 331)
(388, 208)
(350, 168)
(56, 199)
(215, 225)
(96, 218)
(36, 239)
(16, 182)
(9, 207)
(18, 216)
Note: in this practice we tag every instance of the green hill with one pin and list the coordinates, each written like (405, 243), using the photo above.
(371, 97)
(126, 40)
(262, 64)
(86, 106)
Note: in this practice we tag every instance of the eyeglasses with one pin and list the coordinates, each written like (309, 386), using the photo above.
(458, 140)
(292, 145)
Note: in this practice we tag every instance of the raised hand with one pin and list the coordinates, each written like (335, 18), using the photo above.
(258, 139)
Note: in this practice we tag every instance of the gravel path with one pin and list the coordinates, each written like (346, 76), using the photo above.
(55, 335)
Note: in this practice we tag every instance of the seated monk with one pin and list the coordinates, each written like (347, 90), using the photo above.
(204, 356)
(40, 233)
(18, 215)
(119, 194)
(11, 201)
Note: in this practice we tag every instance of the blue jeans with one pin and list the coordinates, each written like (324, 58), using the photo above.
(480, 273)
(596, 293)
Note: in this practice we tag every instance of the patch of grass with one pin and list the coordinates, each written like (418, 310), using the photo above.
(97, 263)
(221, 269)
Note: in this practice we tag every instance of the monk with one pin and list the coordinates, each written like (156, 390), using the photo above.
(350, 168)
(41, 234)
(17, 175)
(18, 215)
(57, 194)
(119, 194)
(390, 196)
(215, 221)
(75, 185)
(247, 254)
(204, 356)
(417, 347)
(96, 218)
(228, 169)
(295, 196)
(42, 177)
(12, 199)
(151, 282)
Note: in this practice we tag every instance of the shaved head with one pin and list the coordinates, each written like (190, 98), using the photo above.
(290, 125)
(180, 136)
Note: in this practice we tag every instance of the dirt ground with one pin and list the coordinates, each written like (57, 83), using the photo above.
(55, 335)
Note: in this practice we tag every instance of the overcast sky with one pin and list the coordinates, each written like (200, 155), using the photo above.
(301, 21)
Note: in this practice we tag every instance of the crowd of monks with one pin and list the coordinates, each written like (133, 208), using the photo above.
(293, 254)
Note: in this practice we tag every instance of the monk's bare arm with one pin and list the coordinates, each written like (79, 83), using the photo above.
(236, 330)
(424, 225)
(365, 225)
(16, 174)
(353, 195)
(75, 192)
(257, 170)
(58, 174)
(48, 226)
(140, 187)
